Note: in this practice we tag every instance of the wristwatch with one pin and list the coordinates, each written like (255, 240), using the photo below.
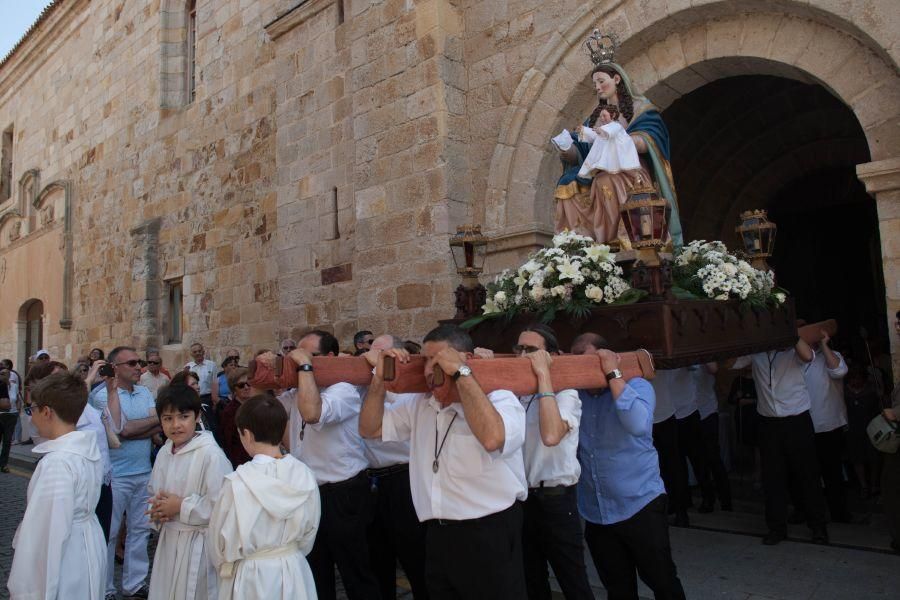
(614, 374)
(306, 368)
(463, 371)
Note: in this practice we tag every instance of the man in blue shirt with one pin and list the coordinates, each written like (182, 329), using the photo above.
(620, 493)
(132, 414)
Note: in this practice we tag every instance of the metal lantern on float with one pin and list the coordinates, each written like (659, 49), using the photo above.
(469, 249)
(646, 218)
(758, 237)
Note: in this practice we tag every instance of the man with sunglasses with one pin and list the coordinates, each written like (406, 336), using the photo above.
(362, 342)
(154, 378)
(132, 412)
(551, 531)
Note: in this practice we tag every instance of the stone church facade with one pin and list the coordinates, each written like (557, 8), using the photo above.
(235, 171)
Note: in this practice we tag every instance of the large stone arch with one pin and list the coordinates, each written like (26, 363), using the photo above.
(670, 49)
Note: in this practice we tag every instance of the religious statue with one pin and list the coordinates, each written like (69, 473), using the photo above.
(592, 188)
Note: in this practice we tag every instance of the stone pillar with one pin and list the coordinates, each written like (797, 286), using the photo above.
(147, 286)
(882, 181)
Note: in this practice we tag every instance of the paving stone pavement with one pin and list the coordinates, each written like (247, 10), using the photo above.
(711, 564)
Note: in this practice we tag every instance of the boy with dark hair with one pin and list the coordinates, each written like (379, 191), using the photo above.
(62, 553)
(184, 485)
(267, 516)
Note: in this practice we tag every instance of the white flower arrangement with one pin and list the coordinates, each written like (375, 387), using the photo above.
(574, 275)
(707, 270)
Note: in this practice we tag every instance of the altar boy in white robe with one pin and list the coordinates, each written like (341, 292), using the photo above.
(266, 519)
(60, 551)
(184, 486)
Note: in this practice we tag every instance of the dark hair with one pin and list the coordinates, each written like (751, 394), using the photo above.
(99, 351)
(626, 102)
(38, 371)
(178, 396)
(114, 353)
(455, 336)
(7, 363)
(236, 375)
(594, 339)
(359, 335)
(264, 417)
(412, 347)
(328, 344)
(551, 344)
(229, 360)
(65, 393)
(180, 378)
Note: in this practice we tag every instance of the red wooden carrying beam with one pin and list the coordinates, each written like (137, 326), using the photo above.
(513, 374)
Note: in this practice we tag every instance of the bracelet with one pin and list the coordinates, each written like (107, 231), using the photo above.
(546, 395)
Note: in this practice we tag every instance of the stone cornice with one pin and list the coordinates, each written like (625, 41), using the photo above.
(296, 16)
(880, 176)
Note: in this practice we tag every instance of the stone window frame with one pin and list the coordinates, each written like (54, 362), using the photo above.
(7, 143)
(174, 321)
(178, 51)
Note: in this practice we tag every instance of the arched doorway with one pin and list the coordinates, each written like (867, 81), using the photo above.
(792, 150)
(32, 315)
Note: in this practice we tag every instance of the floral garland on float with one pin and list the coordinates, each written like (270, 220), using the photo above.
(576, 274)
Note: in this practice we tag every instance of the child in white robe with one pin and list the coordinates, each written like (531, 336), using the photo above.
(266, 519)
(63, 554)
(184, 486)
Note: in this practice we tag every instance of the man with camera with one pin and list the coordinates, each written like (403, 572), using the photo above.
(133, 416)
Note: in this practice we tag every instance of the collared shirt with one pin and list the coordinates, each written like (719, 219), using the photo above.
(133, 456)
(206, 371)
(545, 466)
(826, 393)
(778, 375)
(620, 467)
(664, 388)
(153, 382)
(386, 454)
(470, 482)
(332, 448)
(682, 390)
(705, 391)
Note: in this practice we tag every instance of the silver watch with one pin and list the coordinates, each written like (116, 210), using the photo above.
(463, 371)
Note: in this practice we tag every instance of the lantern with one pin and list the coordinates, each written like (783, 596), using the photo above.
(646, 219)
(469, 249)
(758, 237)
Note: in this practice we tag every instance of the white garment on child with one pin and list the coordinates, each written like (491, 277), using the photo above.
(63, 554)
(263, 527)
(612, 151)
(181, 567)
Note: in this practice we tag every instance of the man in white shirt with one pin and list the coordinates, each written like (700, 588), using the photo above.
(665, 439)
(824, 378)
(687, 417)
(551, 532)
(467, 473)
(786, 439)
(207, 372)
(708, 407)
(153, 378)
(395, 532)
(324, 432)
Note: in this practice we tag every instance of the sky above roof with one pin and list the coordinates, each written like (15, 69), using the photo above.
(16, 16)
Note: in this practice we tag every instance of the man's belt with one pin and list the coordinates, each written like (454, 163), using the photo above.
(502, 373)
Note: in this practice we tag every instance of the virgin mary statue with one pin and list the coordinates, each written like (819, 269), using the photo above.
(590, 206)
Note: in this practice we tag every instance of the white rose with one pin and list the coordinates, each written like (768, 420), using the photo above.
(538, 292)
(594, 293)
(729, 269)
(500, 297)
(781, 298)
(559, 290)
(722, 297)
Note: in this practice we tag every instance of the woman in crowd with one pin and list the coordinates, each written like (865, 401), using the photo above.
(241, 392)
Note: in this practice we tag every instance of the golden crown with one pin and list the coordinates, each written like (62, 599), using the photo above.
(601, 47)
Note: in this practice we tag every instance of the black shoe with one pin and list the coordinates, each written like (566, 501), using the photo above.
(820, 535)
(141, 593)
(706, 507)
(681, 520)
(796, 517)
(773, 538)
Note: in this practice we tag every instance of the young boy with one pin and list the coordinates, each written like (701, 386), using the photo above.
(62, 552)
(184, 486)
(266, 519)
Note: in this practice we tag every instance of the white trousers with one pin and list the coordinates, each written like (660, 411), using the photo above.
(130, 497)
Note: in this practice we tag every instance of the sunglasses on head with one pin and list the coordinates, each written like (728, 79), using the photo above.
(524, 349)
(131, 363)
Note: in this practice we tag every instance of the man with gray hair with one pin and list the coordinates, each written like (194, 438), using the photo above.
(395, 532)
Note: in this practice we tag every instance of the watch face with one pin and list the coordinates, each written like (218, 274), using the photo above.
(465, 371)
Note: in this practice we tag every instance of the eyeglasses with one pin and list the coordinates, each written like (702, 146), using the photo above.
(154, 362)
(288, 348)
(131, 363)
(524, 349)
(241, 386)
(368, 341)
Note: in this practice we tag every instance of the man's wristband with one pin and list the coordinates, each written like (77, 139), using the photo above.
(305, 368)
(545, 395)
